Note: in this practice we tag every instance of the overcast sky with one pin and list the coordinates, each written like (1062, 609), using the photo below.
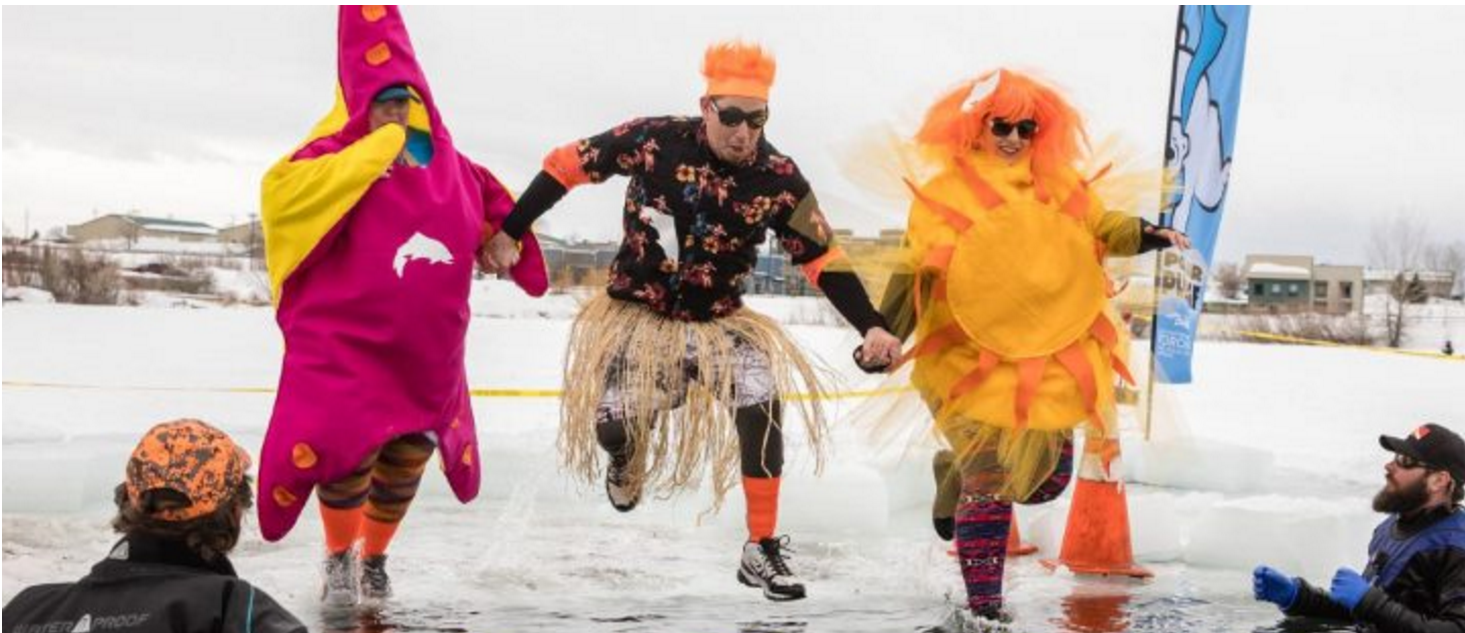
(1348, 115)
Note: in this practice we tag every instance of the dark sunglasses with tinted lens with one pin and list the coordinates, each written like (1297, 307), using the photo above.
(1026, 128)
(733, 117)
(1407, 463)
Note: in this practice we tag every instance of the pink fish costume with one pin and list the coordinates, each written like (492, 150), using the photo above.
(371, 259)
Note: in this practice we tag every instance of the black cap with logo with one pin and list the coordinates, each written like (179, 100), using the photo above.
(1434, 445)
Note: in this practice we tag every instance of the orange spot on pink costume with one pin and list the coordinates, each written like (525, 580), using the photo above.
(379, 54)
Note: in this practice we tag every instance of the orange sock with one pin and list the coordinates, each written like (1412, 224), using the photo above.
(342, 527)
(377, 535)
(762, 497)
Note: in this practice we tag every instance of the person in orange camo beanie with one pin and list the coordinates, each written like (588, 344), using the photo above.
(179, 508)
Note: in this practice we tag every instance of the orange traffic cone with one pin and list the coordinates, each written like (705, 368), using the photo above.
(1096, 540)
(1015, 546)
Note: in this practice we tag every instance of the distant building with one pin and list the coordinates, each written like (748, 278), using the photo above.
(775, 275)
(249, 236)
(1337, 289)
(576, 264)
(247, 233)
(871, 257)
(587, 263)
(1293, 283)
(131, 228)
(1279, 282)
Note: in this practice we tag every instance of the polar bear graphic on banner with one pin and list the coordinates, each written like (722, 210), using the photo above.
(1195, 155)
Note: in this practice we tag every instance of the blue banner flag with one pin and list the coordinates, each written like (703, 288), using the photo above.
(1205, 92)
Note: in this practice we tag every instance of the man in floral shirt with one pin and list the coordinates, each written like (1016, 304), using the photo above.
(656, 363)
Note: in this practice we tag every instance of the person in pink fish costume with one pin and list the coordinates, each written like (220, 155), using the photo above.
(371, 229)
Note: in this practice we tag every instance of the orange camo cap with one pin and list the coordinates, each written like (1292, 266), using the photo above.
(189, 457)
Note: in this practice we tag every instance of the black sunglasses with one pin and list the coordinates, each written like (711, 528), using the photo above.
(733, 117)
(1026, 128)
(1406, 462)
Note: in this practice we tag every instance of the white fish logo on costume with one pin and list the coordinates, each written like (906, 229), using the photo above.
(422, 247)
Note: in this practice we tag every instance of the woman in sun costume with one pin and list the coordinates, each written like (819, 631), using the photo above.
(1004, 289)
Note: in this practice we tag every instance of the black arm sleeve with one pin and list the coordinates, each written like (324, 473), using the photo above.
(1378, 609)
(1440, 573)
(896, 305)
(542, 194)
(1148, 240)
(845, 291)
(1313, 602)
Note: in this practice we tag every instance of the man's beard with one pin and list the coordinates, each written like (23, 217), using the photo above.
(1403, 501)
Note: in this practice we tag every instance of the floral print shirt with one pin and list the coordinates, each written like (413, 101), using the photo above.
(719, 214)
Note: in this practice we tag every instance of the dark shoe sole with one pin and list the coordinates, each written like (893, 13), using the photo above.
(751, 581)
(620, 508)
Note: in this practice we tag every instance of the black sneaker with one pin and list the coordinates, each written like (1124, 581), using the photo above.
(339, 586)
(948, 489)
(764, 566)
(375, 585)
(623, 493)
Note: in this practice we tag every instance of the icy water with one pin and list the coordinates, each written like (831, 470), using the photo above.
(1171, 603)
(539, 552)
(537, 560)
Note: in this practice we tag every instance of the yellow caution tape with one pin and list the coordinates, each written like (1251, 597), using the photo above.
(1320, 343)
(850, 395)
(59, 385)
(1282, 338)
(516, 393)
(477, 393)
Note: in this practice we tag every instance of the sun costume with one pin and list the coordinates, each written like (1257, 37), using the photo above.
(370, 239)
(667, 372)
(1004, 289)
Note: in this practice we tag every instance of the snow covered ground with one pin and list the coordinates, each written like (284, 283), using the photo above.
(1270, 457)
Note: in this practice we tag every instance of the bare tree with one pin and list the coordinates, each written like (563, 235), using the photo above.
(1448, 258)
(72, 276)
(1229, 281)
(1398, 245)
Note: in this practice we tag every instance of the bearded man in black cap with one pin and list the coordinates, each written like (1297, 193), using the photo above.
(1415, 578)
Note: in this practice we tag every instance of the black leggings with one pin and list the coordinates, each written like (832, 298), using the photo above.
(760, 438)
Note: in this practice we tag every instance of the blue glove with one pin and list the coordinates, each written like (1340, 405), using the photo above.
(1348, 588)
(1273, 586)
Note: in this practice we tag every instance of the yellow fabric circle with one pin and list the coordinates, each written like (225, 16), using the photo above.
(1024, 281)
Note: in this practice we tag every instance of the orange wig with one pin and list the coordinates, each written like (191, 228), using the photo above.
(736, 69)
(954, 125)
